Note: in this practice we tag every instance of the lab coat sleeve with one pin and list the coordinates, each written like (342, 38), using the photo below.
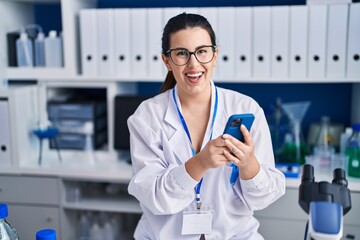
(269, 183)
(160, 184)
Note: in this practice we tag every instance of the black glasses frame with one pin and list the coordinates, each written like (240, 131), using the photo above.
(168, 53)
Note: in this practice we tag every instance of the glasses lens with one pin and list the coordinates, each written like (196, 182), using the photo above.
(204, 54)
(182, 56)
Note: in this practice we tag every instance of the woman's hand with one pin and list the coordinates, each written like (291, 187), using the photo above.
(212, 155)
(242, 154)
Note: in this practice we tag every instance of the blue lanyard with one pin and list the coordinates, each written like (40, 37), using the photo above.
(198, 186)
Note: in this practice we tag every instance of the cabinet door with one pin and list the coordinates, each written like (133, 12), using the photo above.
(281, 229)
(29, 219)
(21, 189)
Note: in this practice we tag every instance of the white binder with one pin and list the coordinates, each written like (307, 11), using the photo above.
(317, 40)
(139, 49)
(106, 45)
(5, 151)
(155, 26)
(279, 62)
(337, 38)
(226, 42)
(190, 10)
(122, 42)
(169, 13)
(298, 41)
(243, 41)
(210, 13)
(261, 36)
(88, 42)
(353, 51)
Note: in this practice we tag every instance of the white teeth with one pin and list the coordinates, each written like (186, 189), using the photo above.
(194, 75)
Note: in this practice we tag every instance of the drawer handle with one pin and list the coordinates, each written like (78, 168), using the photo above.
(49, 219)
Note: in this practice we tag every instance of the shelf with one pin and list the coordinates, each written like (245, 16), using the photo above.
(61, 74)
(123, 204)
(15, 73)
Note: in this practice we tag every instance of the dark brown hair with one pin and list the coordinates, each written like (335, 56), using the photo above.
(175, 24)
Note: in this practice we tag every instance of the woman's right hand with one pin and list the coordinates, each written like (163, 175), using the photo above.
(212, 155)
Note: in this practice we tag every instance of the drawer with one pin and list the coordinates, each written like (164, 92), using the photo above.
(69, 141)
(29, 219)
(78, 141)
(24, 189)
(85, 111)
(79, 126)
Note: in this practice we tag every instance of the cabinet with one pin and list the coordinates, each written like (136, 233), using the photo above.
(33, 203)
(285, 219)
(36, 202)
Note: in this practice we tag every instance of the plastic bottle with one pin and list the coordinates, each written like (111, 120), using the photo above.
(53, 50)
(46, 234)
(344, 138)
(24, 51)
(353, 152)
(96, 232)
(7, 232)
(39, 46)
(84, 227)
(89, 149)
(108, 231)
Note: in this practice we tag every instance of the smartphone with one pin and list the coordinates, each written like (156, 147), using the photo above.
(233, 124)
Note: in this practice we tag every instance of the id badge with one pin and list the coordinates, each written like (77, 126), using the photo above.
(197, 221)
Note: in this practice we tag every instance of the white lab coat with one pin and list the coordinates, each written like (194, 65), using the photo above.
(159, 149)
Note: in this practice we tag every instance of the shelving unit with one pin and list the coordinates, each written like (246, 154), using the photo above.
(60, 213)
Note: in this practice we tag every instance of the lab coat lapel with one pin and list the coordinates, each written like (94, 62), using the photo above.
(177, 138)
(220, 121)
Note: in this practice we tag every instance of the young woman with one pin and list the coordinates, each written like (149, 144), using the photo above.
(183, 175)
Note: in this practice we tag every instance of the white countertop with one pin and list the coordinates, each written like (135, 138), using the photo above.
(121, 172)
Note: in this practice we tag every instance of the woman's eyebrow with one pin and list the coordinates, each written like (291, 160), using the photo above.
(198, 47)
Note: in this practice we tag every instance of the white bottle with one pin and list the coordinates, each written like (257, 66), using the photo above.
(84, 227)
(108, 231)
(53, 50)
(344, 139)
(96, 232)
(24, 51)
(39, 46)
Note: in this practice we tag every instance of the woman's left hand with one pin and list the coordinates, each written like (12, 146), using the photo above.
(242, 154)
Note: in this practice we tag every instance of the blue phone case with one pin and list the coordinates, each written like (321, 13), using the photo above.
(233, 124)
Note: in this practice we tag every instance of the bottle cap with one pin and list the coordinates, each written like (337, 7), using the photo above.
(52, 34)
(40, 36)
(46, 234)
(3, 210)
(356, 127)
(23, 36)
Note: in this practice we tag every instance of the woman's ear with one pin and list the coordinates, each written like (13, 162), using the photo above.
(166, 60)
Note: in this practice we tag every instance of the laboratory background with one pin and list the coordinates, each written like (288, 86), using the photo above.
(72, 71)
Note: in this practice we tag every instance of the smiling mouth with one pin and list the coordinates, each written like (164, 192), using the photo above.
(194, 76)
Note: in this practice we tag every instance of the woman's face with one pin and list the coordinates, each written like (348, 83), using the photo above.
(193, 77)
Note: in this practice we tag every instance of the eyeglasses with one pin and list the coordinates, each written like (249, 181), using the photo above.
(181, 56)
